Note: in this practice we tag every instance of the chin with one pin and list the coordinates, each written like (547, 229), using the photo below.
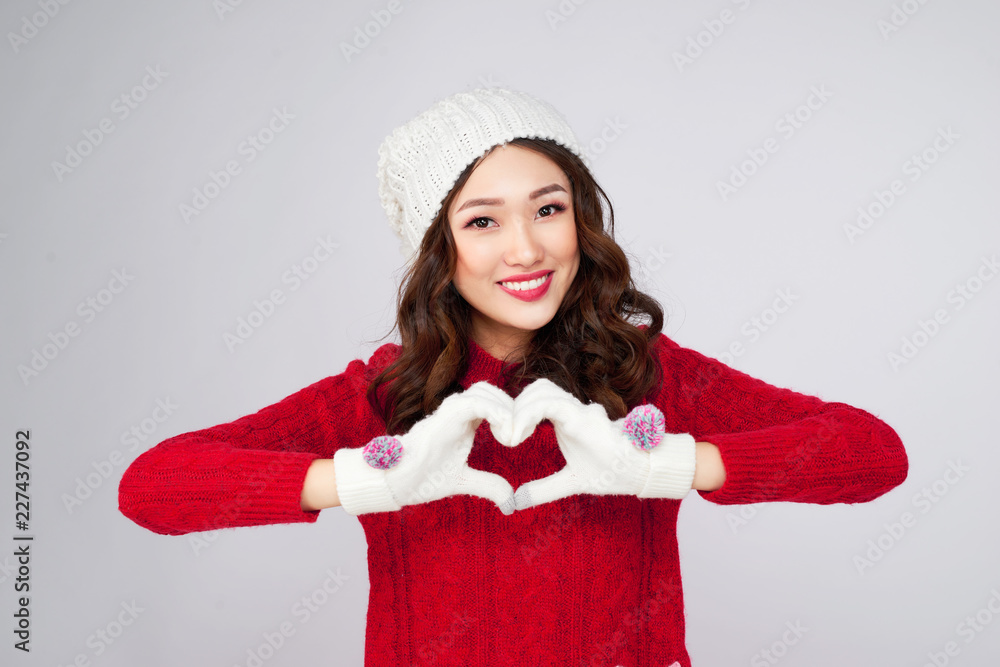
(533, 325)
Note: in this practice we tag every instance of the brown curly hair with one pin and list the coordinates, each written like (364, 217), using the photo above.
(592, 347)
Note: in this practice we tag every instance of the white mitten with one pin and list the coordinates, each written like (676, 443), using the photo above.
(629, 456)
(430, 461)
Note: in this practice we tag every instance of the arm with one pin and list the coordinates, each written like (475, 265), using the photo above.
(319, 491)
(709, 472)
(253, 471)
(775, 444)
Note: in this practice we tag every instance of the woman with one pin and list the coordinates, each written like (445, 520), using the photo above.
(517, 463)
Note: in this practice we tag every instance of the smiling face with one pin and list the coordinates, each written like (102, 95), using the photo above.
(515, 235)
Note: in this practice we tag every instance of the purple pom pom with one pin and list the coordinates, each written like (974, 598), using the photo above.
(645, 426)
(383, 452)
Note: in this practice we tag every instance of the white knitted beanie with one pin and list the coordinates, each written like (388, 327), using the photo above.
(420, 161)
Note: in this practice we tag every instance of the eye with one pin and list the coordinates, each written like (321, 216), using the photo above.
(552, 210)
(478, 223)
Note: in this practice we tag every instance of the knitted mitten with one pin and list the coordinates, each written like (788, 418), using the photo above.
(629, 456)
(430, 461)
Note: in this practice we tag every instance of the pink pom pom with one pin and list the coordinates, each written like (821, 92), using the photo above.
(383, 452)
(645, 426)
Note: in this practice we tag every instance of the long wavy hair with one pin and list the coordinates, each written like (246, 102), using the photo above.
(592, 347)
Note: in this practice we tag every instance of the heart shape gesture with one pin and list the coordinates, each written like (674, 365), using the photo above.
(629, 456)
(431, 460)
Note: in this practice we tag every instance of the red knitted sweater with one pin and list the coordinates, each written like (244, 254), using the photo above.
(587, 580)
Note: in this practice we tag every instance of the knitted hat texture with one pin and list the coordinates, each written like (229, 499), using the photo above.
(420, 161)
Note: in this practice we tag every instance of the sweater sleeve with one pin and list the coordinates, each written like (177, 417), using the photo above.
(251, 471)
(776, 444)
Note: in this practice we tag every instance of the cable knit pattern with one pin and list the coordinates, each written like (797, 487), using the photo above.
(587, 580)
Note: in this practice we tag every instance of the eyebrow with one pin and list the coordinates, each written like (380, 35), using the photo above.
(555, 187)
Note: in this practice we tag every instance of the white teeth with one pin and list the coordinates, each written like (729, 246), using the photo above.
(530, 284)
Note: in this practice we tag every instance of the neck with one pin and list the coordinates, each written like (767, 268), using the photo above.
(505, 348)
(504, 343)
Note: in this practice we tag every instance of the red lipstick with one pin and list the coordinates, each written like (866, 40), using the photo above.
(531, 294)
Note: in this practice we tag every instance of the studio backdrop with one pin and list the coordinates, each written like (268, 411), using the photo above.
(191, 231)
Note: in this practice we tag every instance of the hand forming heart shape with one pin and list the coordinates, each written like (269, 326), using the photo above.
(629, 456)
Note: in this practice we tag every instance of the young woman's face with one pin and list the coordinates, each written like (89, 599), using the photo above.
(515, 232)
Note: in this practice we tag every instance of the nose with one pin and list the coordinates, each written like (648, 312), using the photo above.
(523, 246)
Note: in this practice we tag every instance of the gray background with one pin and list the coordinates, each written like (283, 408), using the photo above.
(661, 136)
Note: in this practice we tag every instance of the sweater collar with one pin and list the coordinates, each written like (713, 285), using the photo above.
(483, 367)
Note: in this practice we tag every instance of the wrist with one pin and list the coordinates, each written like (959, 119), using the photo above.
(710, 472)
(319, 488)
